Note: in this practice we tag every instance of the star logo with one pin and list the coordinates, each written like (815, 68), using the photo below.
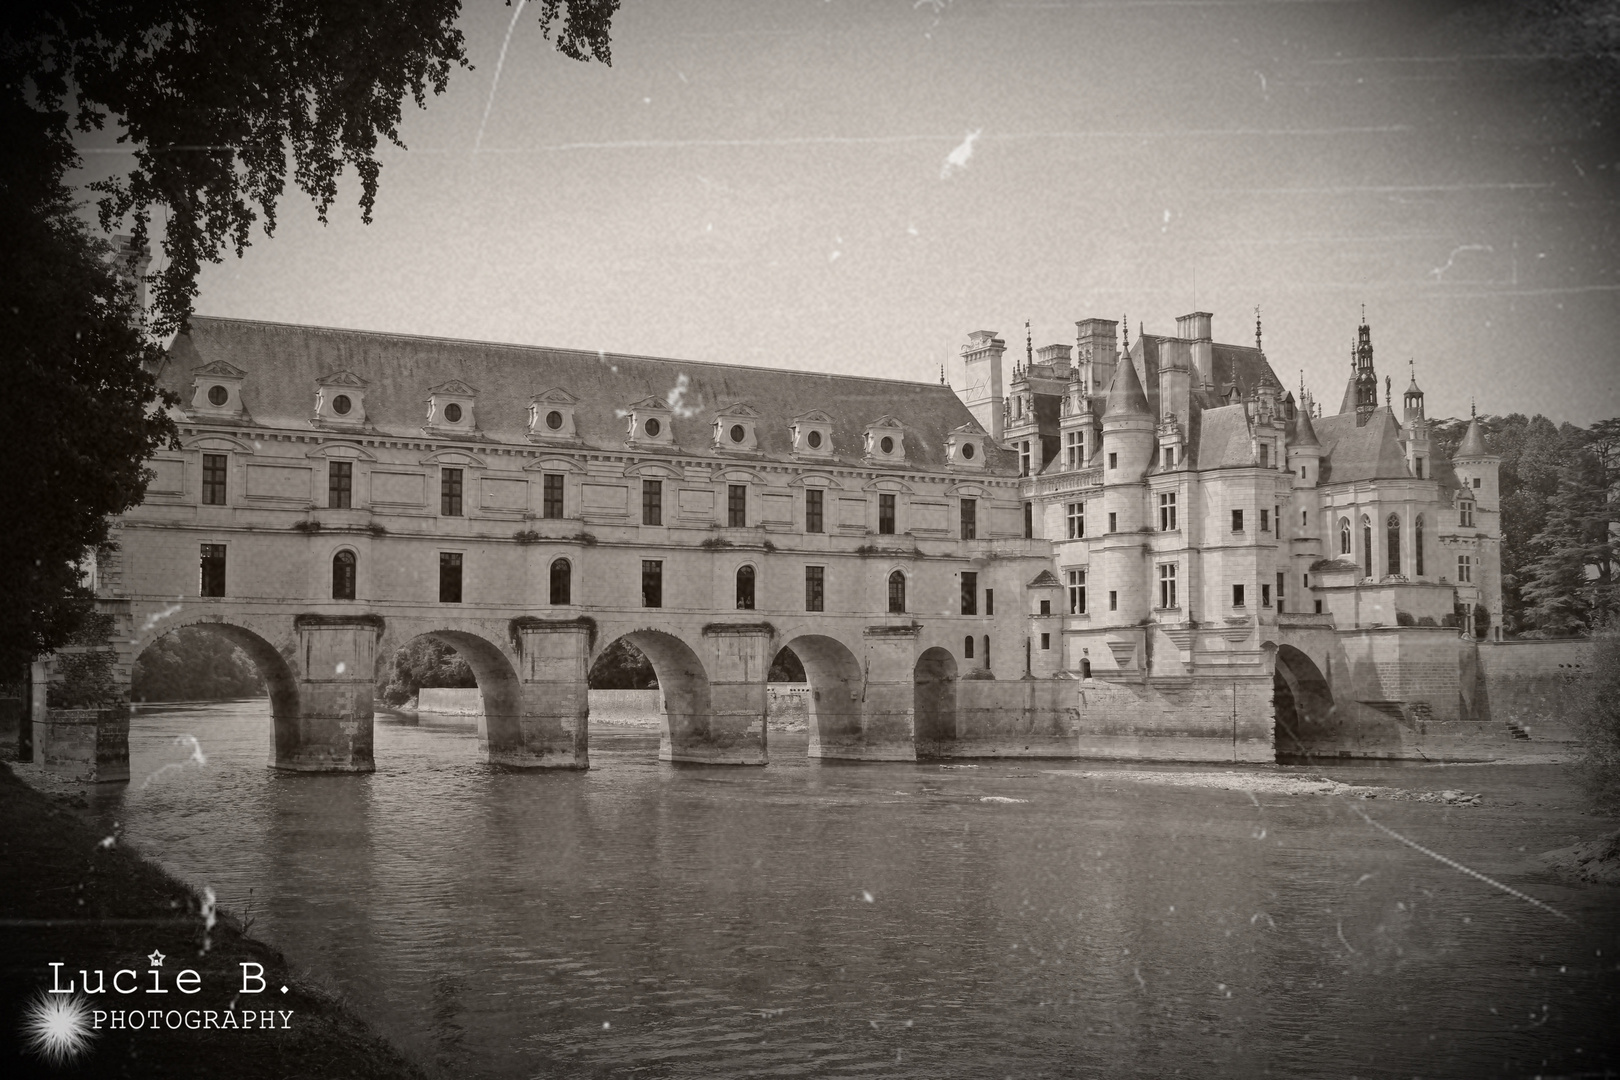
(156, 958)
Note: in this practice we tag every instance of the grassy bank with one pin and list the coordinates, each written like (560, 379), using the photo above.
(68, 896)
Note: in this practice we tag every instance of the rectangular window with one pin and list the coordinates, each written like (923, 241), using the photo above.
(1023, 458)
(1281, 578)
(737, 506)
(212, 578)
(1029, 521)
(1077, 592)
(1465, 569)
(815, 585)
(1076, 444)
(1046, 641)
(213, 479)
(1319, 607)
(970, 519)
(339, 484)
(989, 601)
(1476, 481)
(1046, 607)
(886, 514)
(813, 509)
(1077, 520)
(652, 502)
(1237, 521)
(1167, 585)
(1304, 518)
(1237, 596)
(1167, 512)
(1265, 595)
(450, 492)
(1302, 472)
(551, 504)
(1265, 455)
(1419, 463)
(1465, 513)
(652, 583)
(1113, 600)
(970, 593)
(449, 577)
(1113, 521)
(1265, 520)
(1113, 461)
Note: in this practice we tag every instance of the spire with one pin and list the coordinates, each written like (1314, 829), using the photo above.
(1473, 443)
(1125, 394)
(1257, 347)
(1125, 329)
(1029, 344)
(1304, 430)
(942, 374)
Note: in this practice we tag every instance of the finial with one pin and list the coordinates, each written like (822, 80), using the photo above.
(942, 374)
(1029, 344)
(1473, 412)
(1125, 323)
(1257, 328)
(1363, 314)
(1389, 391)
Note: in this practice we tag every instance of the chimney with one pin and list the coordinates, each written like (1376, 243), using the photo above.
(984, 395)
(1098, 344)
(1196, 329)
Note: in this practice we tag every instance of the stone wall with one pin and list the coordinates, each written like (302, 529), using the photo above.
(787, 705)
(1528, 683)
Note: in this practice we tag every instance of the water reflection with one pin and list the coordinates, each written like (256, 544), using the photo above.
(823, 919)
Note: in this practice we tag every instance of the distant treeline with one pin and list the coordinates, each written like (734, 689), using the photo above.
(194, 664)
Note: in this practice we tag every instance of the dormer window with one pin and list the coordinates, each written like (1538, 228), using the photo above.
(551, 416)
(649, 424)
(450, 409)
(885, 440)
(340, 400)
(216, 391)
(735, 429)
(812, 434)
(964, 447)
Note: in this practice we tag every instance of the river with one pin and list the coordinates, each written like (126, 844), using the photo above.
(1014, 918)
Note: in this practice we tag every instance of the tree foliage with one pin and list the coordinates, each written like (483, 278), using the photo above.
(1597, 718)
(622, 666)
(194, 664)
(217, 98)
(1569, 582)
(424, 662)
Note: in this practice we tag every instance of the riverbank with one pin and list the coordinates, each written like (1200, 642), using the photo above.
(76, 896)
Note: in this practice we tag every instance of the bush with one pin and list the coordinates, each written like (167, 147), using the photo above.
(1597, 718)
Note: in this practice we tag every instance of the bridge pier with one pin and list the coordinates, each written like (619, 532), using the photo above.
(331, 728)
(546, 726)
(729, 727)
(889, 715)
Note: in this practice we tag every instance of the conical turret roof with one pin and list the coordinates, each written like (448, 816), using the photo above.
(1304, 430)
(1125, 394)
(1473, 444)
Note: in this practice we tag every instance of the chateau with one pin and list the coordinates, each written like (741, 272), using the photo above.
(1127, 549)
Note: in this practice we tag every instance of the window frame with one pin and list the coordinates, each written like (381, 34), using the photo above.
(553, 504)
(1167, 511)
(339, 484)
(345, 586)
(736, 506)
(563, 597)
(1167, 586)
(897, 592)
(970, 592)
(652, 501)
(1075, 515)
(1238, 596)
(969, 518)
(216, 471)
(815, 588)
(652, 583)
(815, 510)
(1237, 521)
(886, 513)
(452, 577)
(1077, 592)
(452, 491)
(211, 569)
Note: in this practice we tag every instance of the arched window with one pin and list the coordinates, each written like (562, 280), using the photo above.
(1417, 547)
(343, 565)
(1366, 546)
(1085, 667)
(1344, 536)
(967, 647)
(745, 588)
(562, 582)
(1392, 539)
(897, 593)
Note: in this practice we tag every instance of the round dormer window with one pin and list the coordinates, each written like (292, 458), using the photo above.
(341, 404)
(218, 395)
(452, 413)
(554, 420)
(886, 445)
(652, 428)
(737, 433)
(814, 440)
(967, 451)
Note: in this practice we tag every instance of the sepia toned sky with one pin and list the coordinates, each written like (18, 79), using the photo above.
(855, 186)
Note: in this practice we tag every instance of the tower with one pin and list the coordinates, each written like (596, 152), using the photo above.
(1366, 379)
(1415, 431)
(984, 395)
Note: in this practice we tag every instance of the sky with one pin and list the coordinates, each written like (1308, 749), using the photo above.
(856, 186)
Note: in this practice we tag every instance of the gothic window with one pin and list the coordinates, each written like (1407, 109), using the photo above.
(1344, 536)
(339, 484)
(213, 478)
(1392, 540)
(897, 593)
(562, 582)
(212, 573)
(1417, 546)
(1077, 592)
(745, 588)
(343, 566)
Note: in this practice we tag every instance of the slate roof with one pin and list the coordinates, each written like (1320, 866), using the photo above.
(1224, 439)
(1473, 442)
(1370, 452)
(1239, 365)
(1125, 393)
(282, 364)
(1304, 433)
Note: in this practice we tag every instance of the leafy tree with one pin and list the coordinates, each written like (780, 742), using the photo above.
(1597, 719)
(1569, 586)
(194, 664)
(786, 668)
(216, 98)
(622, 666)
(424, 662)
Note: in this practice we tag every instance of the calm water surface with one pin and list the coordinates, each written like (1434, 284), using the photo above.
(647, 920)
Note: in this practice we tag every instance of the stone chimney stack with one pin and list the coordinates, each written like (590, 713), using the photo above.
(1196, 329)
(984, 395)
(1098, 343)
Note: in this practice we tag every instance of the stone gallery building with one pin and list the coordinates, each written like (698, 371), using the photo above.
(1130, 549)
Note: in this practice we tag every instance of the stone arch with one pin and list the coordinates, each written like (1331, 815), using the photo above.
(836, 689)
(500, 690)
(934, 702)
(280, 673)
(1303, 706)
(683, 685)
